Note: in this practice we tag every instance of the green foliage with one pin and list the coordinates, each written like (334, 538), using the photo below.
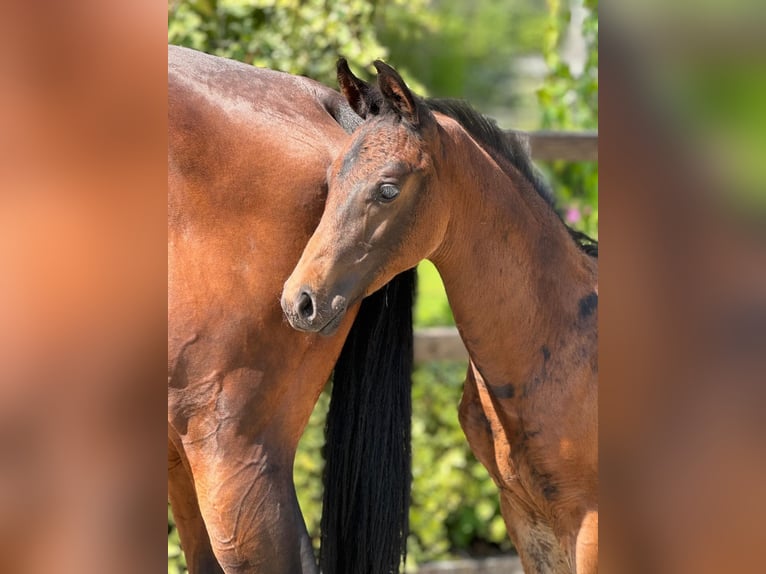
(308, 467)
(432, 307)
(454, 501)
(466, 49)
(569, 101)
(297, 36)
(176, 559)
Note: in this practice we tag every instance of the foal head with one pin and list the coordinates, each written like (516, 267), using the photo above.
(384, 212)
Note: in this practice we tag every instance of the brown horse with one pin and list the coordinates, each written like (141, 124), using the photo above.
(434, 179)
(248, 152)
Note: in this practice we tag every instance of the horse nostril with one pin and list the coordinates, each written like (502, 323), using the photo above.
(305, 305)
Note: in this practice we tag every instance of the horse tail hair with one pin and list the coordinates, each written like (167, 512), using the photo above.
(368, 471)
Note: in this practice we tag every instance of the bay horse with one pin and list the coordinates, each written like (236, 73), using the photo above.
(248, 152)
(434, 179)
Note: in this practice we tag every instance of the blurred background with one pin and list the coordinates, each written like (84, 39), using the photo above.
(531, 65)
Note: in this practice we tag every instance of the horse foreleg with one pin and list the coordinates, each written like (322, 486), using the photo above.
(239, 432)
(247, 498)
(191, 528)
(587, 544)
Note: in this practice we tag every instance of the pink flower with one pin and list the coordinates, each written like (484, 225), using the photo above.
(573, 215)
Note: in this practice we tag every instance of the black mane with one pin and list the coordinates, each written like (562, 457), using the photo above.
(510, 145)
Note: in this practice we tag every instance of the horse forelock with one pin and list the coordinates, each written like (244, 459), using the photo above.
(368, 141)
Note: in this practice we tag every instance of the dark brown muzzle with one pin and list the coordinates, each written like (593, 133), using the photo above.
(311, 313)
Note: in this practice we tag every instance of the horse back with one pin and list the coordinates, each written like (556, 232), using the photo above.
(248, 150)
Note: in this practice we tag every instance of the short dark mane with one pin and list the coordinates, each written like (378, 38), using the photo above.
(511, 146)
(488, 134)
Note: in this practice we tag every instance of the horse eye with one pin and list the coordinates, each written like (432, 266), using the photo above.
(387, 192)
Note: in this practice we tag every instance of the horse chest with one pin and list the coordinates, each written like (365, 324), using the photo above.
(498, 440)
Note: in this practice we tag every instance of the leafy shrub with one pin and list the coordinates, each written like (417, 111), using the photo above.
(176, 559)
(569, 101)
(303, 37)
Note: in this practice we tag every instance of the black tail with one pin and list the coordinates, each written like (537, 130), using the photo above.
(367, 474)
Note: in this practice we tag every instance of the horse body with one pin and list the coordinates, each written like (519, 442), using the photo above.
(248, 152)
(242, 384)
(414, 184)
(523, 298)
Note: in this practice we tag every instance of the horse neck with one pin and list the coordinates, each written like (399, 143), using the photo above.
(514, 278)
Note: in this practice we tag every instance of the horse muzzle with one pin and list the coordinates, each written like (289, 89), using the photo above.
(308, 312)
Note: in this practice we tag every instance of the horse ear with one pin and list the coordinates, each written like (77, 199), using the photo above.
(361, 96)
(396, 92)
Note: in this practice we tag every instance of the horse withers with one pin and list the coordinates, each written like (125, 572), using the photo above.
(248, 152)
(434, 179)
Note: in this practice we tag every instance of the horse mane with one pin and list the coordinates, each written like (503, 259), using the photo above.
(513, 147)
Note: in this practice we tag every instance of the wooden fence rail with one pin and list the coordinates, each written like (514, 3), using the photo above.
(444, 343)
(439, 344)
(567, 146)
